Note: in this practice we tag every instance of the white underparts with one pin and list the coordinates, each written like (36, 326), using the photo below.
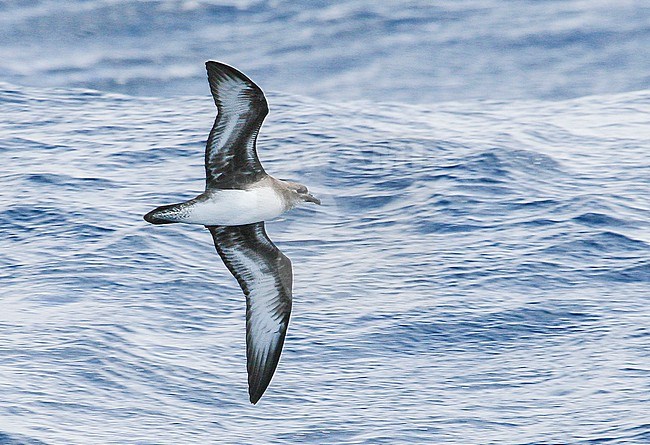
(234, 207)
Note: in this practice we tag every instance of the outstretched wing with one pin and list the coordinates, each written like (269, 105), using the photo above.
(230, 155)
(264, 274)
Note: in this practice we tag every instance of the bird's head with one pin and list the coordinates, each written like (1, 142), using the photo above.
(299, 193)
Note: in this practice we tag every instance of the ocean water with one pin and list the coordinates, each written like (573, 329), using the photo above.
(478, 273)
(414, 51)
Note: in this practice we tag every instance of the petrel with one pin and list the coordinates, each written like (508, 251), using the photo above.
(239, 196)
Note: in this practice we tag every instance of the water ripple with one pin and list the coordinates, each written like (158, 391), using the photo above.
(458, 285)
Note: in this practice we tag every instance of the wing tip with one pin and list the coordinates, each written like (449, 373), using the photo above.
(257, 389)
(216, 64)
(216, 68)
(254, 397)
(219, 72)
(260, 377)
(259, 381)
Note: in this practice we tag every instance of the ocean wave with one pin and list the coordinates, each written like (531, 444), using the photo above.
(475, 267)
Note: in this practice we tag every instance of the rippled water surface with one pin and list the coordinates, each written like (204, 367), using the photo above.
(478, 273)
(407, 50)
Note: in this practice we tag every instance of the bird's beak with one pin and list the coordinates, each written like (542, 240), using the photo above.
(308, 197)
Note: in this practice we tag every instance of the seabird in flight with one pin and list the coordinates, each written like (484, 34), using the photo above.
(239, 196)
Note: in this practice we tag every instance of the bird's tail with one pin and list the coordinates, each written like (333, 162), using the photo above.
(166, 214)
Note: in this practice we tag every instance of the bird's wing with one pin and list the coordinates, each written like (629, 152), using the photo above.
(264, 274)
(230, 156)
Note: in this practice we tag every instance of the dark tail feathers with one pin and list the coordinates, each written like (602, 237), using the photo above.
(153, 218)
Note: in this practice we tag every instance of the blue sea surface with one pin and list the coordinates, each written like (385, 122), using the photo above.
(478, 273)
(414, 51)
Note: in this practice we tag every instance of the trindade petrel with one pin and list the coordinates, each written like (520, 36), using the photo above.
(239, 196)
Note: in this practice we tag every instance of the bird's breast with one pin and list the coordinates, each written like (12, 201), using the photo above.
(235, 207)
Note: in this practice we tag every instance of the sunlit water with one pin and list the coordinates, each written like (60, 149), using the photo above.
(478, 273)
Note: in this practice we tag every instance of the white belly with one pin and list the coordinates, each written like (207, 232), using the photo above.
(235, 207)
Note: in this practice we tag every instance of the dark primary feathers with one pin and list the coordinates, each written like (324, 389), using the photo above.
(230, 155)
(264, 274)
